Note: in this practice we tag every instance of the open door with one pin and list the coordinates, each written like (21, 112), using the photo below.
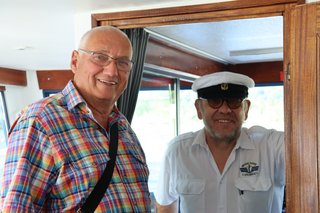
(302, 78)
(302, 109)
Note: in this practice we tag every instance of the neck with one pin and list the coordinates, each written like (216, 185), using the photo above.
(101, 114)
(221, 144)
(101, 111)
(220, 150)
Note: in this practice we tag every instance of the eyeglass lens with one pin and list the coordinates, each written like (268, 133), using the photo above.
(102, 59)
(233, 103)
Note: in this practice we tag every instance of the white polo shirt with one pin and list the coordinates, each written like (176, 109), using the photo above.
(253, 178)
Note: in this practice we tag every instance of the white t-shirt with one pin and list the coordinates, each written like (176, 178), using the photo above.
(252, 181)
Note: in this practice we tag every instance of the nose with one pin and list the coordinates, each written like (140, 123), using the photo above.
(224, 108)
(111, 68)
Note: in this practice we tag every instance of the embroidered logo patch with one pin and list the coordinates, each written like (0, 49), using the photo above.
(249, 169)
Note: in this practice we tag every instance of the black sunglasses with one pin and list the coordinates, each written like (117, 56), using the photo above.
(233, 103)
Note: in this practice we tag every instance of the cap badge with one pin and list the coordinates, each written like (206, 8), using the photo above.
(224, 86)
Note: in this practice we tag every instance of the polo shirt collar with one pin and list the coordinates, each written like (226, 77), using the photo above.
(244, 141)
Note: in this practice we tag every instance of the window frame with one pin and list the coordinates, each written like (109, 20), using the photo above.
(5, 111)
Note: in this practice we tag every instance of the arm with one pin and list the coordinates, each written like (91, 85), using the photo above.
(27, 168)
(171, 208)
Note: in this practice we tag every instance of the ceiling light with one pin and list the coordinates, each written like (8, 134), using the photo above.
(23, 48)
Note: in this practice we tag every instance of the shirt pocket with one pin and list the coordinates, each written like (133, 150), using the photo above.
(191, 192)
(76, 179)
(254, 193)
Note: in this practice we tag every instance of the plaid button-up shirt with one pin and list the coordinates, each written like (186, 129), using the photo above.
(57, 153)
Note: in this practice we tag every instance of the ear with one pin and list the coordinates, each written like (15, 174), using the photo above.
(198, 106)
(246, 108)
(74, 61)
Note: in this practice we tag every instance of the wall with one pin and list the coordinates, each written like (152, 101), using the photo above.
(17, 97)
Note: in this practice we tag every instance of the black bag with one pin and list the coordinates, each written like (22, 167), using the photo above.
(100, 188)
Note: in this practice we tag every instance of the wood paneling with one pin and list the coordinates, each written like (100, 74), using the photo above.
(168, 56)
(266, 72)
(194, 13)
(198, 17)
(287, 102)
(13, 77)
(53, 79)
(303, 148)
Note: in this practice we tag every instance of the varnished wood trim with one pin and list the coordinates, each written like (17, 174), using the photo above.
(219, 15)
(318, 96)
(185, 10)
(264, 72)
(169, 56)
(303, 179)
(53, 79)
(288, 103)
(13, 77)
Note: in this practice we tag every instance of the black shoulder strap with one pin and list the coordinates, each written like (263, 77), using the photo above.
(100, 188)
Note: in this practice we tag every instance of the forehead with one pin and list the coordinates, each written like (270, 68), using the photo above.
(108, 41)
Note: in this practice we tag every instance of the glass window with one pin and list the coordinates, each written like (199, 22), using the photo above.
(3, 132)
(189, 121)
(154, 120)
(267, 107)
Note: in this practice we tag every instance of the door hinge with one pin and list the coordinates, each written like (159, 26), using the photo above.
(288, 73)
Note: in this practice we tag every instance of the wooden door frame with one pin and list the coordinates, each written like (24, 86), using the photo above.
(191, 14)
(219, 12)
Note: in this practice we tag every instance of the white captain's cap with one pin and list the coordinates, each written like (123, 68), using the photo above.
(223, 85)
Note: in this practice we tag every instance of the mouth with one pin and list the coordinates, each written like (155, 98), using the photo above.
(224, 121)
(107, 82)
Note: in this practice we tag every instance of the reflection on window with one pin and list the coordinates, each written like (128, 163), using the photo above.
(3, 132)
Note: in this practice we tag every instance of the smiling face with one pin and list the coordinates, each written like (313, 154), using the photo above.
(101, 85)
(222, 124)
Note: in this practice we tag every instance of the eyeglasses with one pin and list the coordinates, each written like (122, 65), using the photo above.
(233, 103)
(102, 59)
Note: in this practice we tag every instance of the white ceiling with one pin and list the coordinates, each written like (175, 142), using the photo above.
(40, 34)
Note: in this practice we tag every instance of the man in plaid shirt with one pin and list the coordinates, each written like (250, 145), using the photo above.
(58, 147)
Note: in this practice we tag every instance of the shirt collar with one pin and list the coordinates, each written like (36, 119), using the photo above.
(244, 141)
(73, 96)
(200, 139)
(74, 99)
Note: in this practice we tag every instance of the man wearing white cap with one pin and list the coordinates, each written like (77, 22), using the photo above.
(224, 167)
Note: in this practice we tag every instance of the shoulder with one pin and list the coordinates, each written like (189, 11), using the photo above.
(43, 106)
(259, 131)
(38, 113)
(260, 134)
(183, 141)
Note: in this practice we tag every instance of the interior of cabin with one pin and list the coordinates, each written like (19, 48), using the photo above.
(260, 39)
